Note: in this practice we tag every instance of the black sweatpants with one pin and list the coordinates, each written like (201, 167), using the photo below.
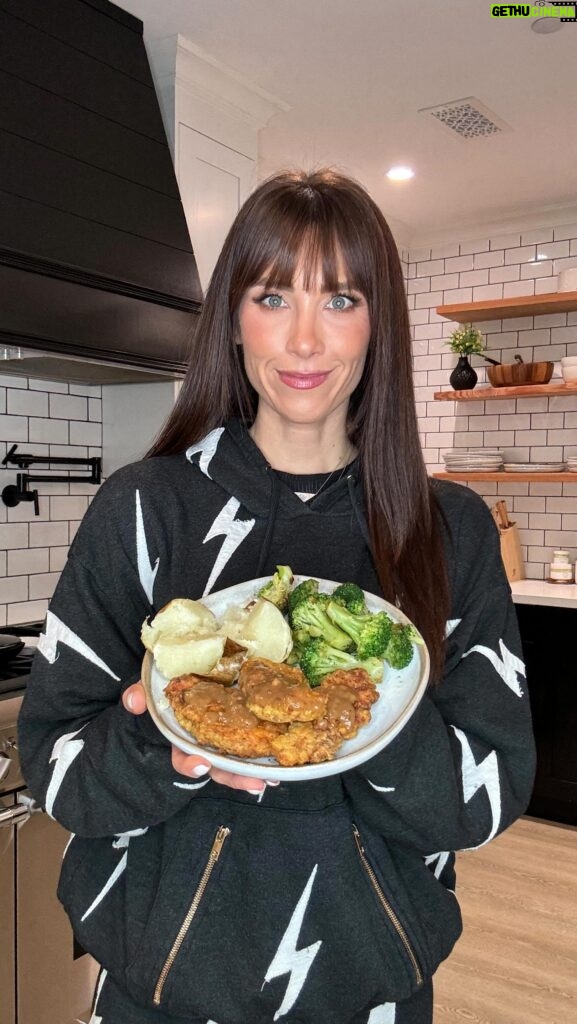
(113, 1006)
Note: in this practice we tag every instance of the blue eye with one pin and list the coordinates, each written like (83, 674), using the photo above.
(341, 302)
(272, 301)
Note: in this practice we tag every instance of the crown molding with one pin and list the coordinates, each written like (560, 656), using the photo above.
(198, 73)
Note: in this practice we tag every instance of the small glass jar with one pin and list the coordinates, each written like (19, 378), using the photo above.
(561, 570)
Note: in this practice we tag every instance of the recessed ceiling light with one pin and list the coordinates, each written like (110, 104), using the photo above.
(400, 173)
(543, 26)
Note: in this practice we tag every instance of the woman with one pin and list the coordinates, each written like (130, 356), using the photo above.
(294, 441)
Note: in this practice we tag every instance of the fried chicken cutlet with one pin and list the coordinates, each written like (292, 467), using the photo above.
(349, 695)
(277, 692)
(218, 717)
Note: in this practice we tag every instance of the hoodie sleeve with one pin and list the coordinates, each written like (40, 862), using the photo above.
(93, 766)
(462, 769)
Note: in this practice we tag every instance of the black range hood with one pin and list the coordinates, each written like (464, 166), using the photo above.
(96, 263)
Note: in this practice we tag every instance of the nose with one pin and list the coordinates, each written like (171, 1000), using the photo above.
(305, 335)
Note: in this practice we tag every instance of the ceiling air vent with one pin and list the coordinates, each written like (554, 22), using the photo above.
(467, 118)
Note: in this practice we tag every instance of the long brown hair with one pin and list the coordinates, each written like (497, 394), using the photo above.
(322, 218)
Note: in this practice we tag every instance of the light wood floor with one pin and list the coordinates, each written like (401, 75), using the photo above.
(516, 962)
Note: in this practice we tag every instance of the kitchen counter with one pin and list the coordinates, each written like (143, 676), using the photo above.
(559, 595)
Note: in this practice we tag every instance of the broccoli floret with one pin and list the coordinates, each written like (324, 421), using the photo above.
(302, 590)
(278, 588)
(318, 659)
(399, 652)
(369, 633)
(351, 596)
(296, 650)
(310, 616)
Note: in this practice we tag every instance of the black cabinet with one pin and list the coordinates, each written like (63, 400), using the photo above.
(549, 638)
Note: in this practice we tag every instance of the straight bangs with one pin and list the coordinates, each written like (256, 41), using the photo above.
(305, 236)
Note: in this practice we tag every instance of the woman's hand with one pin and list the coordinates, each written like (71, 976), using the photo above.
(134, 700)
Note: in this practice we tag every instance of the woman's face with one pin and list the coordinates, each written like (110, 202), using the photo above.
(304, 351)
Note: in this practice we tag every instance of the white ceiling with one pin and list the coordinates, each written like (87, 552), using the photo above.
(355, 73)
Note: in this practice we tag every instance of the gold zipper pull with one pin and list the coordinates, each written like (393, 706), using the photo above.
(358, 840)
(218, 844)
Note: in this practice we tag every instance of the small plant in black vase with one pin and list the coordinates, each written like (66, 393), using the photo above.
(465, 341)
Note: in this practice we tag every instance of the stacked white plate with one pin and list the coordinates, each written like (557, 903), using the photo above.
(478, 460)
(534, 467)
(572, 463)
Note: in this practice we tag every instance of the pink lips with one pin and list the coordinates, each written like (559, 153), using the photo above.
(303, 381)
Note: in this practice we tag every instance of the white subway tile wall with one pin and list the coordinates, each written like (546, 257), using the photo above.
(43, 418)
(530, 430)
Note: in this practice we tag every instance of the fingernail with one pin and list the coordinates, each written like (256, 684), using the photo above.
(255, 792)
(130, 700)
(273, 782)
(201, 769)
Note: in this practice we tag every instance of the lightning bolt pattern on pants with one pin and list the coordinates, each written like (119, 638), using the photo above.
(57, 632)
(290, 960)
(477, 776)
(146, 571)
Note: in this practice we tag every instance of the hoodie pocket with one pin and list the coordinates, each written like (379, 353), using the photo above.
(265, 913)
(215, 851)
(391, 914)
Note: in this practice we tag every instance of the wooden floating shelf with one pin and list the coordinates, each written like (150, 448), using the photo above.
(520, 391)
(503, 477)
(503, 309)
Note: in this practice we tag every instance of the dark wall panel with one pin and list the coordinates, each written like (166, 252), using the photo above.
(60, 124)
(40, 174)
(38, 231)
(82, 27)
(43, 60)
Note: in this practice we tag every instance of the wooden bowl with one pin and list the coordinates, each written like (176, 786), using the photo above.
(512, 374)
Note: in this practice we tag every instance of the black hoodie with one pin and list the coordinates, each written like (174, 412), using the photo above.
(321, 899)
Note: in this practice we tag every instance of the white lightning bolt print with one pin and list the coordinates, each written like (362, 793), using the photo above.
(65, 851)
(509, 666)
(118, 871)
(191, 785)
(94, 1019)
(146, 571)
(451, 625)
(55, 632)
(64, 751)
(121, 842)
(207, 448)
(290, 960)
(441, 859)
(122, 839)
(386, 1013)
(475, 776)
(233, 531)
(381, 789)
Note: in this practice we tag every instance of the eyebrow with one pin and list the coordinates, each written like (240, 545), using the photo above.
(342, 286)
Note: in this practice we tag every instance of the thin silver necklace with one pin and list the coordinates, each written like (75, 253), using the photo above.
(348, 458)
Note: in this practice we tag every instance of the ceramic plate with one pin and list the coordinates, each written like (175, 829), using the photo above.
(534, 467)
(399, 695)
